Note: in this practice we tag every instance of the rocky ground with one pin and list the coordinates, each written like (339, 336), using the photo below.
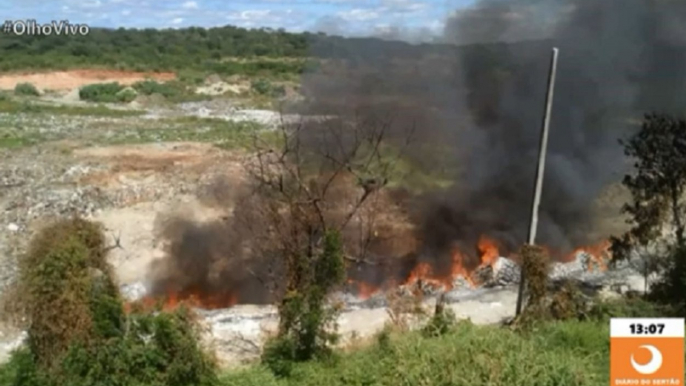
(132, 172)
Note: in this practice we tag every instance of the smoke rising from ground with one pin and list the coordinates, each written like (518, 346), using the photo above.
(479, 109)
(476, 102)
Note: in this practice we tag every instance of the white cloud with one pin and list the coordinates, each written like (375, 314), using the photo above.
(254, 14)
(403, 6)
(177, 20)
(359, 14)
(190, 5)
(90, 4)
(126, 12)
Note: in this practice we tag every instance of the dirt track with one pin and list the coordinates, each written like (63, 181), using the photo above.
(67, 80)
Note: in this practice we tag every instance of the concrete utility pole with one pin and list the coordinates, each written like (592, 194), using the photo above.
(538, 184)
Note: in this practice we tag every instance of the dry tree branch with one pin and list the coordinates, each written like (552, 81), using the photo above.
(117, 243)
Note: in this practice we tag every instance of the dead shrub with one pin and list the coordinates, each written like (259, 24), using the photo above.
(568, 302)
(535, 263)
(405, 308)
(536, 266)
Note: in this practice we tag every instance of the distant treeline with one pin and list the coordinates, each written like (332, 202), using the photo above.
(223, 50)
(156, 50)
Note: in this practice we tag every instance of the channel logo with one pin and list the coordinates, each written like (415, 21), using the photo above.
(647, 351)
(653, 365)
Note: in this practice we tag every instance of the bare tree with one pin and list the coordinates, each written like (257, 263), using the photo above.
(316, 180)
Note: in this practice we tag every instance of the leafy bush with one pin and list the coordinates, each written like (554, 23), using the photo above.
(306, 324)
(126, 95)
(627, 308)
(265, 87)
(27, 89)
(64, 263)
(101, 92)
(191, 77)
(78, 333)
(261, 86)
(669, 290)
(174, 91)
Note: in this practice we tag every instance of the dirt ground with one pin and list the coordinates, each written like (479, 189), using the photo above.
(68, 80)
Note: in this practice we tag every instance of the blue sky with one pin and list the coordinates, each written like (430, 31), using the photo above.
(356, 17)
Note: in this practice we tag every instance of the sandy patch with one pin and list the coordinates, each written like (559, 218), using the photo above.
(137, 228)
(68, 80)
(151, 156)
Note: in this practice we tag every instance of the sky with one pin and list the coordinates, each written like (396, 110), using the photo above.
(346, 17)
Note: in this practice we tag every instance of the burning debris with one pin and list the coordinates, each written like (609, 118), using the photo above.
(476, 109)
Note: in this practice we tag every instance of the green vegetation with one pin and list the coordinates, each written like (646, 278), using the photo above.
(559, 353)
(78, 332)
(172, 91)
(215, 50)
(106, 93)
(306, 321)
(265, 87)
(15, 140)
(13, 106)
(225, 134)
(27, 89)
(18, 131)
(657, 186)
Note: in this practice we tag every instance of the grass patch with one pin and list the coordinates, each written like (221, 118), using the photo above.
(225, 134)
(564, 353)
(12, 106)
(17, 141)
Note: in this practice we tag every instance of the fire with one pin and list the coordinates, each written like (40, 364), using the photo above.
(488, 255)
(174, 299)
(599, 254)
(364, 290)
(486, 248)
(489, 251)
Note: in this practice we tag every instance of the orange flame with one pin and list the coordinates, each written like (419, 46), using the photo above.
(423, 272)
(599, 254)
(189, 298)
(364, 290)
(488, 255)
(489, 251)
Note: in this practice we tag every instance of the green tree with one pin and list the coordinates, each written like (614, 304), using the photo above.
(657, 183)
(657, 187)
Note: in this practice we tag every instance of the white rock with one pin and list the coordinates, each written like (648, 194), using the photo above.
(133, 291)
(12, 227)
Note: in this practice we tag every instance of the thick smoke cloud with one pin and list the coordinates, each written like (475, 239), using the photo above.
(478, 103)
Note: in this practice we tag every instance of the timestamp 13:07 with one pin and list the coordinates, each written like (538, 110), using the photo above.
(647, 328)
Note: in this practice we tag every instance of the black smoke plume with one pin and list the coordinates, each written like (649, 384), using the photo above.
(478, 101)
